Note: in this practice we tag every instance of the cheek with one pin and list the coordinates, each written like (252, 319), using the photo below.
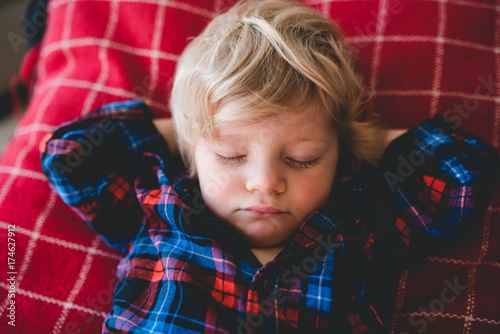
(216, 185)
(215, 189)
(310, 195)
(218, 193)
(313, 192)
(215, 182)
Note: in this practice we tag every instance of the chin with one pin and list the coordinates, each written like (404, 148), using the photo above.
(263, 233)
(264, 240)
(260, 244)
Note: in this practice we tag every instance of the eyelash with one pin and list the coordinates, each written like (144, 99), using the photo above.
(291, 162)
(229, 160)
(302, 164)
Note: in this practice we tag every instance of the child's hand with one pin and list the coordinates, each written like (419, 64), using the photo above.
(166, 128)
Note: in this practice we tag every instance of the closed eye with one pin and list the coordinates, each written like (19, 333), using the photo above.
(302, 164)
(229, 160)
(289, 161)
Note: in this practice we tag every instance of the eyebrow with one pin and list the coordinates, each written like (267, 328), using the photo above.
(228, 137)
(231, 139)
(304, 139)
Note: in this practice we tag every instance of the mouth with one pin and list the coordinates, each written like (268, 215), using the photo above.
(264, 211)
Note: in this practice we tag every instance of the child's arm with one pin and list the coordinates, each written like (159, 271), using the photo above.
(166, 128)
(440, 178)
(92, 163)
(392, 134)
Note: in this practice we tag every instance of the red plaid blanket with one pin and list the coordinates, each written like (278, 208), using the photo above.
(420, 58)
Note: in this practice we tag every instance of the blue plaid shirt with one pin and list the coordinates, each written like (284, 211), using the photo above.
(187, 272)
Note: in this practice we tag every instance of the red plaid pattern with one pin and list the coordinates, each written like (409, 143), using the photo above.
(120, 187)
(405, 231)
(419, 57)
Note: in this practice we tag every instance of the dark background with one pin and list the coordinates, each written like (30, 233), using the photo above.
(11, 12)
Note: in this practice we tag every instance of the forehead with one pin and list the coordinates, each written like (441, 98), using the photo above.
(311, 124)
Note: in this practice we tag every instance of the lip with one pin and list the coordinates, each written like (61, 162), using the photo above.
(264, 211)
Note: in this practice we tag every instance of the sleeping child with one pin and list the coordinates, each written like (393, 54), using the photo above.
(270, 202)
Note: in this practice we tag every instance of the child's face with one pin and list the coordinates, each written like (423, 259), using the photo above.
(265, 178)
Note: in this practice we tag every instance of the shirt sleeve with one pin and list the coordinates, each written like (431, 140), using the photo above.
(440, 178)
(92, 163)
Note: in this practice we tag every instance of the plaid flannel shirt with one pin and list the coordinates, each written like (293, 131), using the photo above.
(188, 272)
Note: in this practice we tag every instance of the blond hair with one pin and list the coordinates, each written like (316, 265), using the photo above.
(263, 58)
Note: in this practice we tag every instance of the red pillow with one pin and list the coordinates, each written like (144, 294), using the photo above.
(419, 57)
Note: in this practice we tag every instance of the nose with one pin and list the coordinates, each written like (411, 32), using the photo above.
(266, 177)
